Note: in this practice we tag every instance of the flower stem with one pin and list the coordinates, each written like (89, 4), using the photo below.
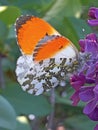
(2, 83)
(51, 117)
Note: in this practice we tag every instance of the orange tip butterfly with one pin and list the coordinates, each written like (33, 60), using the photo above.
(46, 57)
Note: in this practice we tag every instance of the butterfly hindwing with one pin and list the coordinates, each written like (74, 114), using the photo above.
(54, 46)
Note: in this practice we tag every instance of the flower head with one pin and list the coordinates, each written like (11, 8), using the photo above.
(93, 14)
(89, 44)
(77, 81)
(96, 127)
(85, 81)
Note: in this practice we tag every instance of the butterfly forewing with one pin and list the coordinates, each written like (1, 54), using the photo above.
(30, 30)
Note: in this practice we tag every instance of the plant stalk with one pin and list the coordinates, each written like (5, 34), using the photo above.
(2, 83)
(51, 117)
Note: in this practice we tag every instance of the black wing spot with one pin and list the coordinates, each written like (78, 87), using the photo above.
(22, 20)
(60, 47)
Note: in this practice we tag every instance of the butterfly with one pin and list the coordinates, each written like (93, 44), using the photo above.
(46, 58)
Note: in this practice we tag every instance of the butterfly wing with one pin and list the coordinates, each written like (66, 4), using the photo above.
(30, 30)
(54, 46)
(47, 58)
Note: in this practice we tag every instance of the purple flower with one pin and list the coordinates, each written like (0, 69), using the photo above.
(93, 14)
(89, 44)
(90, 95)
(94, 114)
(85, 81)
(86, 93)
(77, 81)
(96, 127)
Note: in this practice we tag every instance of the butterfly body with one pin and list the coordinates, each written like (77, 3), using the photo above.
(46, 55)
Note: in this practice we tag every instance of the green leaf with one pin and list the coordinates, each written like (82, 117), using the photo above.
(3, 31)
(12, 33)
(89, 3)
(39, 6)
(70, 31)
(64, 8)
(7, 115)
(4, 2)
(8, 14)
(80, 26)
(34, 7)
(25, 103)
(80, 122)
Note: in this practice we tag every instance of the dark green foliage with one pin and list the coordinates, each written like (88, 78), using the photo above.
(69, 18)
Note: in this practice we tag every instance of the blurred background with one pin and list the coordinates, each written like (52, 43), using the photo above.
(20, 110)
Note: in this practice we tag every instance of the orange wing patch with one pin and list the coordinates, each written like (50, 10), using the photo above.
(30, 30)
(50, 48)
